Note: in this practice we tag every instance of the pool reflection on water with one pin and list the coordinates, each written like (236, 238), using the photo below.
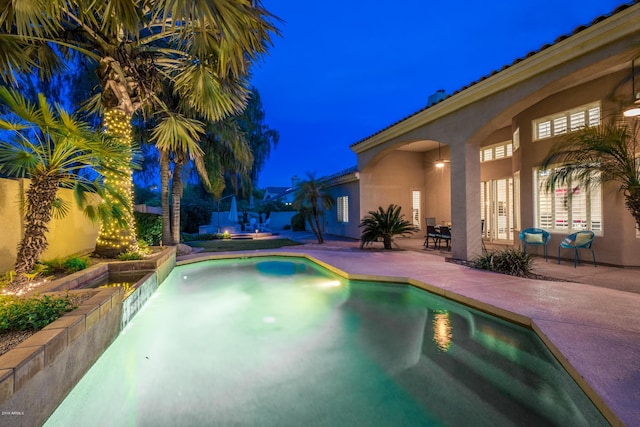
(281, 341)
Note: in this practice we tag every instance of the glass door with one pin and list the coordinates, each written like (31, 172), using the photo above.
(497, 209)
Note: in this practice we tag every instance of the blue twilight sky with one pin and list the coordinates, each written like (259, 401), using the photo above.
(345, 69)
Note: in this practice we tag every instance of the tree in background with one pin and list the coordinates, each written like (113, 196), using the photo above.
(204, 48)
(51, 147)
(595, 155)
(311, 200)
(260, 136)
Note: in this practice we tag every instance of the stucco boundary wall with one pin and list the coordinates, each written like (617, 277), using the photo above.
(37, 374)
(72, 235)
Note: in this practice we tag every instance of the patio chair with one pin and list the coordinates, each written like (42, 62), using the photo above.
(578, 240)
(431, 234)
(444, 233)
(535, 237)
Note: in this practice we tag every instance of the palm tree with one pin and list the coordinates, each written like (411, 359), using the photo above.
(311, 200)
(204, 48)
(599, 154)
(384, 224)
(54, 150)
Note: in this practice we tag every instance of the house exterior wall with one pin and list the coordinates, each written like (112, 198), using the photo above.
(592, 64)
(437, 183)
(350, 228)
(617, 243)
(391, 180)
(73, 234)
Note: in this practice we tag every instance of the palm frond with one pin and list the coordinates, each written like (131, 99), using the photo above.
(178, 133)
(595, 155)
(60, 208)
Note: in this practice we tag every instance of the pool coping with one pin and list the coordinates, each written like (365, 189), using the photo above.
(458, 297)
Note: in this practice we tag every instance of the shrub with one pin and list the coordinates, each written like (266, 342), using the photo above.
(194, 213)
(75, 263)
(514, 262)
(384, 224)
(130, 256)
(287, 227)
(68, 265)
(298, 222)
(31, 314)
(187, 237)
(149, 228)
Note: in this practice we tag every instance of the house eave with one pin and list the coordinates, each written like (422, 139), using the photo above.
(618, 26)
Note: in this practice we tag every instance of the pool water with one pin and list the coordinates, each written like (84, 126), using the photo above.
(283, 342)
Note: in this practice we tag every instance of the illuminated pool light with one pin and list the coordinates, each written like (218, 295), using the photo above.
(330, 284)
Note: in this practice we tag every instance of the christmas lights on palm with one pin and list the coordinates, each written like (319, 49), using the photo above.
(114, 238)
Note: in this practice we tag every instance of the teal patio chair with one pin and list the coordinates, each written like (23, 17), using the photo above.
(578, 240)
(535, 237)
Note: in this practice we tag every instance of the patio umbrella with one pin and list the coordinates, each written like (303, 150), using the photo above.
(233, 212)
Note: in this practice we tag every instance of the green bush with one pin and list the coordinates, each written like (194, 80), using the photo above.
(187, 237)
(514, 262)
(67, 265)
(130, 256)
(298, 222)
(149, 228)
(384, 225)
(287, 227)
(194, 213)
(75, 263)
(31, 314)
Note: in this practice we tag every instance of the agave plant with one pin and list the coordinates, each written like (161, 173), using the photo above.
(384, 224)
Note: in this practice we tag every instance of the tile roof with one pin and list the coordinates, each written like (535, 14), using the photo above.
(504, 67)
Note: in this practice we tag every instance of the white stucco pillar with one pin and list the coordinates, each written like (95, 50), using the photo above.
(465, 201)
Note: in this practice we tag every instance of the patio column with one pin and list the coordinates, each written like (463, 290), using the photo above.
(465, 201)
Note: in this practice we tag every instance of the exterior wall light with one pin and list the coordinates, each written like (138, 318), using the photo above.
(439, 163)
(634, 109)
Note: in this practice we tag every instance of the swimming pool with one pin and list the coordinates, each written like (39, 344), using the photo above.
(281, 341)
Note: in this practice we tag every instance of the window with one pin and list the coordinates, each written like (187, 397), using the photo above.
(342, 203)
(516, 139)
(566, 121)
(415, 207)
(497, 151)
(569, 207)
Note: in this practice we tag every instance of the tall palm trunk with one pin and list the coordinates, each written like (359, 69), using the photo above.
(316, 217)
(165, 177)
(176, 196)
(40, 196)
(118, 237)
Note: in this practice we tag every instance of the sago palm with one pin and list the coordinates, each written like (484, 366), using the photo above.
(599, 154)
(384, 224)
(54, 150)
(311, 200)
(204, 48)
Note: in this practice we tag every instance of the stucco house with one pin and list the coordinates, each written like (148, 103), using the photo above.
(493, 135)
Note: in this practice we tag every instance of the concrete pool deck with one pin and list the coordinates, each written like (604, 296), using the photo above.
(593, 330)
